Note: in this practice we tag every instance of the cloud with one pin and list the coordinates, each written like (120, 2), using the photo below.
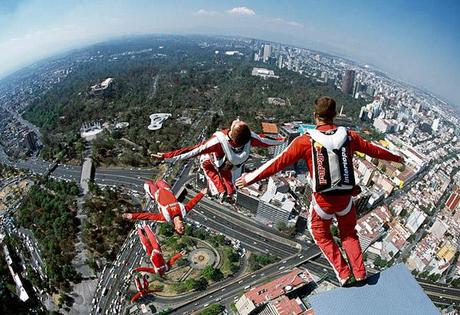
(242, 11)
(290, 23)
(294, 23)
(204, 12)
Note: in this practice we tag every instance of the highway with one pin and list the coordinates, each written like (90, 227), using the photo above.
(132, 178)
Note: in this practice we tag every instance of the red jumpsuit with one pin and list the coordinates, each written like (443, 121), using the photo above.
(153, 250)
(211, 152)
(326, 206)
(168, 205)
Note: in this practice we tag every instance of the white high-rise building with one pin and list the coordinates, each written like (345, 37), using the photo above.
(267, 52)
(280, 62)
(435, 125)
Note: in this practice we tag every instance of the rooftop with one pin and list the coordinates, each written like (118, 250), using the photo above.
(269, 128)
(453, 200)
(286, 306)
(279, 287)
(393, 291)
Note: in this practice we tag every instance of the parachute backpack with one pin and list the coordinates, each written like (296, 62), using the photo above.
(332, 162)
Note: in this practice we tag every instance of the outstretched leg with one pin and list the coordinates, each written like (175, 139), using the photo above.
(350, 243)
(145, 242)
(163, 184)
(150, 188)
(145, 282)
(212, 177)
(152, 238)
(227, 178)
(320, 230)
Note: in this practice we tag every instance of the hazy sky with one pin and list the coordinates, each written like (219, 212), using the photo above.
(417, 41)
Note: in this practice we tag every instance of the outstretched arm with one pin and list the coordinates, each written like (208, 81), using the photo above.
(137, 296)
(361, 145)
(144, 216)
(262, 141)
(173, 260)
(192, 203)
(181, 151)
(190, 152)
(297, 150)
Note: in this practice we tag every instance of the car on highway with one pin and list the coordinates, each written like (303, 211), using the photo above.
(281, 268)
(247, 287)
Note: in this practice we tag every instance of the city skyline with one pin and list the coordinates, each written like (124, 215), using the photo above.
(402, 39)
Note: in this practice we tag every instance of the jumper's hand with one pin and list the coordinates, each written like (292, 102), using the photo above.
(241, 182)
(204, 191)
(158, 156)
(127, 216)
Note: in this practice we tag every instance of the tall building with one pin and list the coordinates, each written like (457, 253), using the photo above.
(276, 204)
(347, 82)
(280, 62)
(370, 90)
(248, 199)
(31, 141)
(435, 125)
(267, 52)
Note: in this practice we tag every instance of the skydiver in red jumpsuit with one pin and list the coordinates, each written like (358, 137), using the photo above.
(170, 209)
(222, 156)
(328, 151)
(153, 250)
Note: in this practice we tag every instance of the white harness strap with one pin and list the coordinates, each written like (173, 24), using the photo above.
(326, 216)
(331, 142)
(183, 211)
(230, 154)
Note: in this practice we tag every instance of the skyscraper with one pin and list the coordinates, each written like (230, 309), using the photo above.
(267, 52)
(435, 125)
(347, 82)
(280, 62)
